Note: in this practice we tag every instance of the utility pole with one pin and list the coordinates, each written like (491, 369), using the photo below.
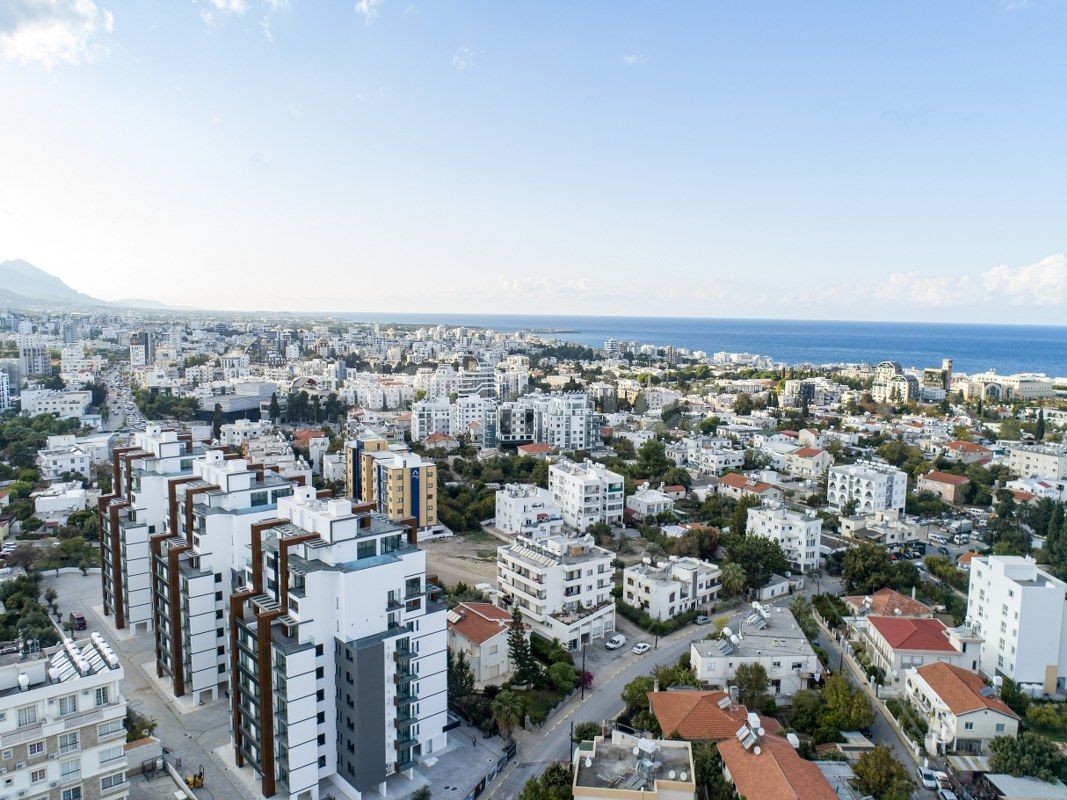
(582, 681)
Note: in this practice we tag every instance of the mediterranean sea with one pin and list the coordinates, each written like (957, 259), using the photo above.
(972, 347)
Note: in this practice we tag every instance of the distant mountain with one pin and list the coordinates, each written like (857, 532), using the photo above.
(22, 284)
(25, 279)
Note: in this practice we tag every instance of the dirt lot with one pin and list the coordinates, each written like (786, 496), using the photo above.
(471, 559)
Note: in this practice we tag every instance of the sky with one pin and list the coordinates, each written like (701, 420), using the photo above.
(818, 160)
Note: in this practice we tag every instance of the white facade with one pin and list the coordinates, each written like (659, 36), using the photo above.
(236, 433)
(61, 722)
(561, 584)
(527, 510)
(874, 487)
(1021, 612)
(586, 493)
(67, 404)
(54, 462)
(647, 502)
(1037, 460)
(430, 416)
(671, 587)
(797, 533)
(60, 500)
(466, 411)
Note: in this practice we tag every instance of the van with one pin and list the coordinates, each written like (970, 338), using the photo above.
(961, 538)
(77, 619)
(939, 538)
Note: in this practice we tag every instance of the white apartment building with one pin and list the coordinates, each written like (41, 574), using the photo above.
(1036, 460)
(5, 391)
(873, 485)
(61, 722)
(135, 510)
(54, 462)
(60, 500)
(764, 635)
(236, 433)
(562, 585)
(66, 404)
(199, 560)
(512, 379)
(523, 509)
(671, 587)
(481, 380)
(469, 410)
(647, 502)
(430, 416)
(796, 532)
(564, 421)
(716, 460)
(586, 493)
(1021, 612)
(33, 357)
(337, 652)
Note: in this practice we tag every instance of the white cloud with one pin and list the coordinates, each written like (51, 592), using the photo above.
(464, 58)
(229, 6)
(633, 59)
(52, 32)
(368, 9)
(1041, 284)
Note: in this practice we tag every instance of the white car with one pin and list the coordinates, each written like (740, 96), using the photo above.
(946, 794)
(641, 648)
(927, 778)
(615, 642)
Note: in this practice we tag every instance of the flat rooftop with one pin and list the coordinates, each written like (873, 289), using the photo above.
(613, 765)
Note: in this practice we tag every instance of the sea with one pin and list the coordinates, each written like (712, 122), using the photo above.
(972, 347)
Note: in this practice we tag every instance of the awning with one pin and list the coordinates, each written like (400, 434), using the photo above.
(969, 763)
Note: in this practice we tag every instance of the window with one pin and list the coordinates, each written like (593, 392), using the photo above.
(39, 776)
(258, 499)
(69, 770)
(109, 728)
(68, 742)
(111, 754)
(103, 695)
(1000, 727)
(68, 705)
(968, 726)
(36, 748)
(111, 781)
(73, 793)
(366, 549)
(27, 716)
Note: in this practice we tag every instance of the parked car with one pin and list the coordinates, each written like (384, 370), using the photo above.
(77, 619)
(641, 648)
(615, 642)
(926, 778)
(946, 794)
(703, 619)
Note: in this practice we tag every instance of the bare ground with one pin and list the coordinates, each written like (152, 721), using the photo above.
(470, 559)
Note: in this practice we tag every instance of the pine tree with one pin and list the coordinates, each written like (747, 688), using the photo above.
(275, 410)
(216, 423)
(522, 659)
(1039, 431)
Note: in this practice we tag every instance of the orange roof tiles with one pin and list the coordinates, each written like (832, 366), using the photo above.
(886, 602)
(479, 622)
(945, 477)
(695, 714)
(961, 689)
(777, 773)
(913, 633)
(807, 452)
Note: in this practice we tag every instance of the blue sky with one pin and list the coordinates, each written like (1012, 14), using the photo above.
(894, 160)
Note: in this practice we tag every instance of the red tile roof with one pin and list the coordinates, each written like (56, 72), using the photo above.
(807, 452)
(777, 773)
(912, 633)
(967, 447)
(479, 622)
(945, 477)
(695, 714)
(886, 602)
(738, 481)
(536, 447)
(961, 689)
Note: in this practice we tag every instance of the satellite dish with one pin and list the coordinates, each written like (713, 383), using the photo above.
(588, 762)
(759, 731)
(727, 632)
(24, 681)
(757, 750)
(684, 776)
(671, 774)
(636, 750)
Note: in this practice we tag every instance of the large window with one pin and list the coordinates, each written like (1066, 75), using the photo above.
(111, 781)
(69, 770)
(259, 499)
(367, 549)
(68, 742)
(68, 705)
(103, 695)
(27, 715)
(110, 728)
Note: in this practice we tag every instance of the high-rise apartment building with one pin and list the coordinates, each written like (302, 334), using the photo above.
(142, 349)
(396, 482)
(873, 486)
(33, 357)
(586, 493)
(337, 651)
(430, 416)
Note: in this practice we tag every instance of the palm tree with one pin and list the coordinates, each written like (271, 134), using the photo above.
(507, 708)
(733, 578)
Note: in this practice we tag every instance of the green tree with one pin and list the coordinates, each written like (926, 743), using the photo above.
(216, 422)
(460, 675)
(1039, 429)
(882, 776)
(562, 675)
(422, 793)
(1044, 716)
(274, 411)
(758, 557)
(845, 708)
(743, 405)
(635, 693)
(733, 578)
(507, 709)
(751, 682)
(587, 731)
(1027, 754)
(652, 461)
(739, 520)
(554, 783)
(522, 660)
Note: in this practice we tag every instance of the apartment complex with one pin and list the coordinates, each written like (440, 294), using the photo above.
(872, 485)
(61, 723)
(796, 532)
(337, 651)
(586, 493)
(1021, 612)
(563, 420)
(561, 584)
(430, 416)
(136, 509)
(668, 588)
(1038, 460)
(398, 483)
(199, 561)
(66, 404)
(523, 509)
(33, 357)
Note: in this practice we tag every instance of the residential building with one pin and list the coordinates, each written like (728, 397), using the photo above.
(768, 767)
(142, 349)
(359, 457)
(54, 462)
(479, 379)
(1021, 612)
(466, 413)
(1036, 460)
(480, 632)
(697, 715)
(945, 485)
(762, 635)
(649, 503)
(965, 452)
(808, 462)
(65, 404)
(198, 561)
(5, 391)
(564, 420)
(884, 527)
(737, 486)
(562, 585)
(61, 722)
(404, 485)
(136, 509)
(963, 715)
(872, 485)
(671, 587)
(887, 602)
(896, 644)
(59, 500)
(586, 493)
(430, 416)
(524, 509)
(34, 361)
(236, 433)
(609, 770)
(796, 532)
(337, 651)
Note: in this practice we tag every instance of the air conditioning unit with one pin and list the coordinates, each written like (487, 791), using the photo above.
(87, 691)
(53, 784)
(3, 770)
(21, 765)
(53, 756)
